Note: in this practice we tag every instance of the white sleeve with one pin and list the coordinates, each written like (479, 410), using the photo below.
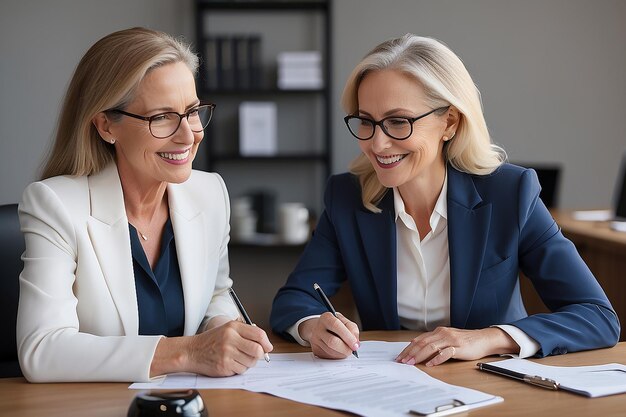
(293, 330)
(527, 345)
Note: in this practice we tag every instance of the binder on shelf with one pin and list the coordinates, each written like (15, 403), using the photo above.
(254, 61)
(241, 63)
(225, 70)
(257, 128)
(233, 62)
(210, 63)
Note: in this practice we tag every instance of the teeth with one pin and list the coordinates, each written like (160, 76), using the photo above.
(387, 160)
(174, 156)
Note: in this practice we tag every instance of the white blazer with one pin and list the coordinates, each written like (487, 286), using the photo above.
(77, 317)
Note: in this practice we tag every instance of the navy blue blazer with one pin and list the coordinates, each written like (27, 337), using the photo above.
(497, 226)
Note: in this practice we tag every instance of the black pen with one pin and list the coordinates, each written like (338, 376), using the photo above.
(328, 305)
(245, 315)
(531, 379)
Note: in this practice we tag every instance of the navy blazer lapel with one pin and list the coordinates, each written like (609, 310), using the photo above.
(468, 228)
(378, 234)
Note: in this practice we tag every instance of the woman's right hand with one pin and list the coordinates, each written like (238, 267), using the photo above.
(226, 350)
(330, 337)
(229, 349)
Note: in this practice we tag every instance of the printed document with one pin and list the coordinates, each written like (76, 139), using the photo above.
(372, 385)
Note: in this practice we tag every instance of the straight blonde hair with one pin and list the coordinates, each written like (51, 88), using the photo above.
(105, 78)
(446, 82)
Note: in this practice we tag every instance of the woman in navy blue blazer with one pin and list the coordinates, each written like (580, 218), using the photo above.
(431, 227)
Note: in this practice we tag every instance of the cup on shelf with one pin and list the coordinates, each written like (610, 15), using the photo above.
(243, 220)
(293, 224)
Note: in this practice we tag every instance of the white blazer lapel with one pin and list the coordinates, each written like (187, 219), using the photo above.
(190, 235)
(108, 231)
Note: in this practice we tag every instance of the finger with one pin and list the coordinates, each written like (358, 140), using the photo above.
(420, 349)
(327, 345)
(246, 346)
(352, 327)
(333, 346)
(336, 326)
(264, 341)
(442, 356)
(239, 367)
(256, 335)
(415, 344)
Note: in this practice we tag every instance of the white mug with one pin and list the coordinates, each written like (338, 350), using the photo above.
(293, 223)
(242, 220)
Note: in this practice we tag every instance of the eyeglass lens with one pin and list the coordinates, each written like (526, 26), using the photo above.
(166, 124)
(397, 128)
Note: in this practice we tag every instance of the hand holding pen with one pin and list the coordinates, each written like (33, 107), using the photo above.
(332, 336)
(245, 316)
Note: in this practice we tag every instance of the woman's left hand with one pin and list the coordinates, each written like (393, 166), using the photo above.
(436, 347)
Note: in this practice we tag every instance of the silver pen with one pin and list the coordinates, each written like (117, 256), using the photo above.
(531, 379)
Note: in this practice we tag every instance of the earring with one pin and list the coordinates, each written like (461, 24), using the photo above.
(445, 138)
(112, 141)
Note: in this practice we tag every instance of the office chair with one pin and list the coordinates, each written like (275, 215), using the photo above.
(11, 249)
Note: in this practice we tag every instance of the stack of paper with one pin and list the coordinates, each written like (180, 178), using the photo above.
(300, 70)
(372, 385)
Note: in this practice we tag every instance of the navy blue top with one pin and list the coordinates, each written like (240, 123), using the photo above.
(160, 292)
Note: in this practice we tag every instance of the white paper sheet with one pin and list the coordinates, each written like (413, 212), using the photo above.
(372, 385)
(592, 381)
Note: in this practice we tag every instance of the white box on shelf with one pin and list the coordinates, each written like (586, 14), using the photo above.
(300, 70)
(300, 83)
(257, 128)
(299, 58)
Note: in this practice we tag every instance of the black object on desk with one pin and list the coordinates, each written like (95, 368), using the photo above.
(328, 305)
(536, 380)
(186, 403)
(245, 315)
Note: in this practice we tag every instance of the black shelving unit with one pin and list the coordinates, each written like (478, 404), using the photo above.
(218, 158)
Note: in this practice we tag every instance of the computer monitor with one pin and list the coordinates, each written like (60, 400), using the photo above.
(549, 175)
(620, 192)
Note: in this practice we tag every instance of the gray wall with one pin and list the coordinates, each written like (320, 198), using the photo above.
(41, 43)
(550, 72)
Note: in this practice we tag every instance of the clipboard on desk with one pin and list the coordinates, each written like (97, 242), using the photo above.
(453, 407)
(590, 381)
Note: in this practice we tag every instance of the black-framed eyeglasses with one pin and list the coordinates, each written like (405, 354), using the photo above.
(396, 127)
(164, 125)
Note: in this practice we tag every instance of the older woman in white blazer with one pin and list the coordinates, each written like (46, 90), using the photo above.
(126, 272)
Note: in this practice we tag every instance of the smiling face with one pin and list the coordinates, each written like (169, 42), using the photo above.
(401, 162)
(139, 154)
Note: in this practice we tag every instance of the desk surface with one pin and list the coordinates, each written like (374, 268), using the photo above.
(19, 398)
(590, 230)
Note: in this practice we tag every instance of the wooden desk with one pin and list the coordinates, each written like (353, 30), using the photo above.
(604, 251)
(21, 399)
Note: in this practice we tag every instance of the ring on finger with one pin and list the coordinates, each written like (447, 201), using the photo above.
(453, 351)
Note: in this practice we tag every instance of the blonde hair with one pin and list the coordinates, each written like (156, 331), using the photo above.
(446, 82)
(107, 77)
